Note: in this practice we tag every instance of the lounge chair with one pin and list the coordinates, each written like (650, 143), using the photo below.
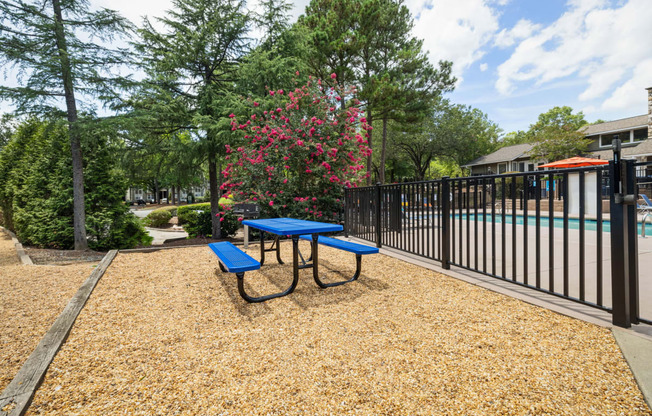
(647, 206)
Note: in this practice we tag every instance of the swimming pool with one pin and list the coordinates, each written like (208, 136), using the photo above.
(573, 223)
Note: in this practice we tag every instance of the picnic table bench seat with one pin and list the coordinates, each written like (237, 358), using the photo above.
(234, 260)
(358, 249)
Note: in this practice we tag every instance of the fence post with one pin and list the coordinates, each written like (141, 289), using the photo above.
(346, 214)
(379, 242)
(445, 223)
(620, 264)
(631, 223)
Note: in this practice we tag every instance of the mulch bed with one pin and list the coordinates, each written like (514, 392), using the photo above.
(166, 333)
(31, 298)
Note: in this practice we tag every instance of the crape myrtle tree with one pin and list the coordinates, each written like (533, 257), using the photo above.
(297, 159)
(192, 66)
(59, 53)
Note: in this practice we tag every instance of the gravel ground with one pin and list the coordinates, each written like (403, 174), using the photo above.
(31, 298)
(167, 333)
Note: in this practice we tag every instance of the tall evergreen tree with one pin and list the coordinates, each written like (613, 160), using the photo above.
(45, 42)
(192, 66)
(368, 43)
(396, 78)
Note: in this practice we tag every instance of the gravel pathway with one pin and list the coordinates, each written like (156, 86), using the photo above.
(167, 333)
(31, 298)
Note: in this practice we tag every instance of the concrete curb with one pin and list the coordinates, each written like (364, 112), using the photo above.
(637, 350)
(20, 251)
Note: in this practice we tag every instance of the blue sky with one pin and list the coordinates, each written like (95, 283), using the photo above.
(516, 59)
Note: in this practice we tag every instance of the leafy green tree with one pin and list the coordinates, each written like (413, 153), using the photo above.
(516, 137)
(36, 189)
(192, 66)
(556, 135)
(454, 133)
(45, 41)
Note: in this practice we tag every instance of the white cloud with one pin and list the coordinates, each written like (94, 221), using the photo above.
(483, 67)
(630, 94)
(606, 47)
(454, 30)
(522, 30)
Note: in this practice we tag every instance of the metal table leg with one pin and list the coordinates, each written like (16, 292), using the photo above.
(315, 266)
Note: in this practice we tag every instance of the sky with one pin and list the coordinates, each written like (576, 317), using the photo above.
(515, 59)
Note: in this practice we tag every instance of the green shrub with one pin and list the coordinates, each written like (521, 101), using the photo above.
(184, 212)
(198, 222)
(158, 217)
(36, 189)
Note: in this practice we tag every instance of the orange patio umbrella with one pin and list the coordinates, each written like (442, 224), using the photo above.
(575, 162)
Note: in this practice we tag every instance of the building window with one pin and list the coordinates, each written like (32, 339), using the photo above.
(502, 167)
(605, 140)
(640, 135)
(626, 137)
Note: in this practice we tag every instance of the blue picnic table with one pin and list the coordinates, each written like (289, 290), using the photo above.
(234, 260)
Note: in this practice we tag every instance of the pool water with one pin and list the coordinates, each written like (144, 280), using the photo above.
(573, 223)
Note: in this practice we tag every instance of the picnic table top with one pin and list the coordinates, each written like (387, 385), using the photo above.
(292, 226)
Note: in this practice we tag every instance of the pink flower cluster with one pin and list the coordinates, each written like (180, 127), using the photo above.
(299, 153)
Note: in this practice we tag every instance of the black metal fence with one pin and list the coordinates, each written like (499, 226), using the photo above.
(550, 231)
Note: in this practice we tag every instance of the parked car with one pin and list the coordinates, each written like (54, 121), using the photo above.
(140, 202)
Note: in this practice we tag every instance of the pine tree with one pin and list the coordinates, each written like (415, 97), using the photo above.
(43, 41)
(192, 67)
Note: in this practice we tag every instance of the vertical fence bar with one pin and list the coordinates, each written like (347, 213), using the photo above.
(461, 222)
(445, 224)
(426, 219)
(484, 226)
(493, 226)
(503, 206)
(513, 189)
(452, 185)
(582, 238)
(565, 231)
(436, 234)
(379, 236)
(551, 232)
(537, 226)
(598, 240)
(468, 223)
(475, 225)
(526, 190)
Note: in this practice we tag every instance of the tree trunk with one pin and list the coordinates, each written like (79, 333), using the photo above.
(216, 230)
(174, 195)
(370, 157)
(79, 210)
(157, 192)
(383, 152)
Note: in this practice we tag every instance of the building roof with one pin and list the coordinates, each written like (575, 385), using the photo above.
(504, 154)
(616, 125)
(642, 148)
